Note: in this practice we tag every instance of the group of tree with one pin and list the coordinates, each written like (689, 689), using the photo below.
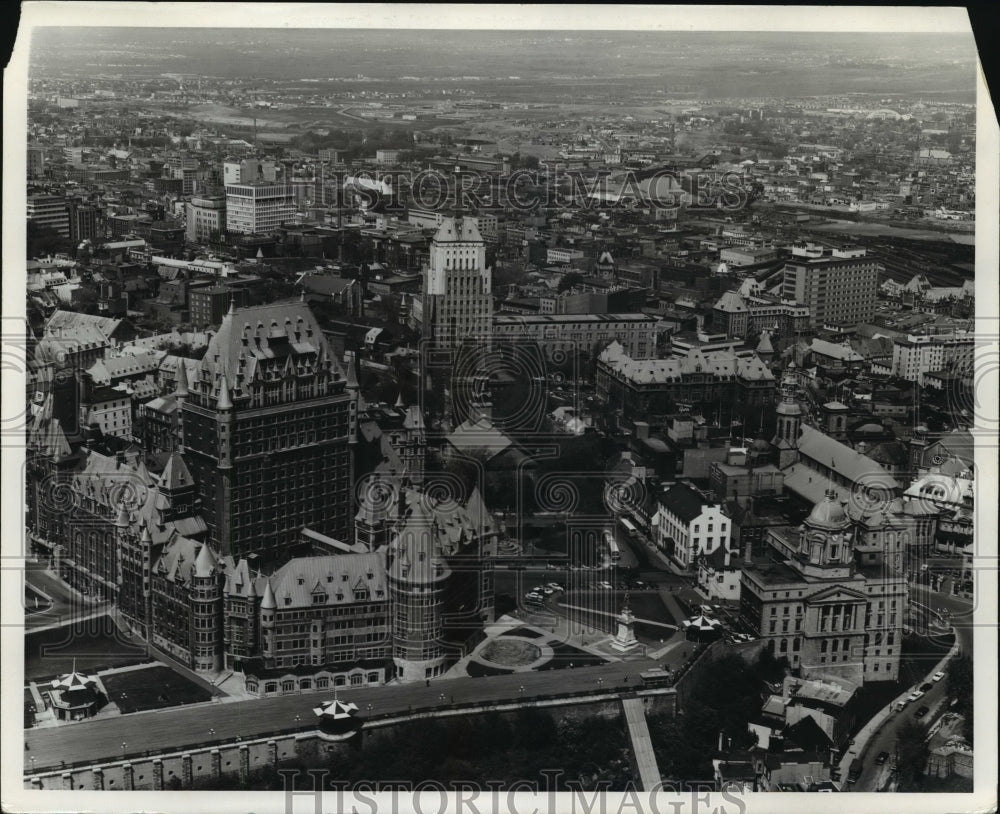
(44, 240)
(961, 692)
(724, 699)
(502, 749)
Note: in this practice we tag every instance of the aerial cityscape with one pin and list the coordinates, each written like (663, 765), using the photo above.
(591, 410)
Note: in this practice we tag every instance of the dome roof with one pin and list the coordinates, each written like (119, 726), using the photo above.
(828, 512)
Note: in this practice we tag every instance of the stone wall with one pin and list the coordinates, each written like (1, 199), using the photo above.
(188, 767)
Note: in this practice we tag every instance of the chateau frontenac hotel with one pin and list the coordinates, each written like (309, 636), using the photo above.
(247, 547)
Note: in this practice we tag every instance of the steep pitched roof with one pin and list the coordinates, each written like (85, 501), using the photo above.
(849, 463)
(340, 579)
(682, 501)
(249, 336)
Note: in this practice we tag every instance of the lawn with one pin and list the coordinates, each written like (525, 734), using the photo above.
(526, 632)
(478, 670)
(152, 688)
(93, 645)
(565, 655)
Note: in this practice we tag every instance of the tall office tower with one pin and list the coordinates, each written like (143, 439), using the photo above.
(258, 208)
(206, 218)
(82, 222)
(458, 315)
(49, 211)
(267, 428)
(839, 287)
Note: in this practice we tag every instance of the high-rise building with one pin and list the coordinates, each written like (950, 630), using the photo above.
(206, 219)
(458, 318)
(258, 208)
(266, 429)
(82, 222)
(50, 212)
(457, 298)
(839, 287)
(36, 162)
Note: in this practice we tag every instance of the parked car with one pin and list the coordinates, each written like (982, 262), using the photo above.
(604, 586)
(926, 687)
(921, 713)
(882, 758)
(555, 586)
(937, 676)
(916, 694)
(531, 596)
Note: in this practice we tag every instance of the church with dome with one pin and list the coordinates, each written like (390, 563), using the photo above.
(827, 598)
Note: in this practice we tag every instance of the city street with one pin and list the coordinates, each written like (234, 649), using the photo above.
(873, 777)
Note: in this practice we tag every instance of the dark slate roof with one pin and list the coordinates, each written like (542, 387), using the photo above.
(682, 501)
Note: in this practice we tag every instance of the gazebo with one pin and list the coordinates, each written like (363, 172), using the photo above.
(338, 721)
(702, 628)
(75, 696)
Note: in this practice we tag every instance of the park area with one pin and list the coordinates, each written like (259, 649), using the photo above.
(92, 645)
(155, 687)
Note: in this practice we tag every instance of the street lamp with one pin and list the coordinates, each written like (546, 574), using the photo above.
(32, 759)
(211, 733)
(124, 745)
(521, 689)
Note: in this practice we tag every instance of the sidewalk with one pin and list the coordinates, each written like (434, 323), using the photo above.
(876, 723)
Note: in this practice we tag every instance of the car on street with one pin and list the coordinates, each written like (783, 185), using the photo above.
(639, 585)
(547, 591)
(604, 586)
(915, 695)
(555, 586)
(926, 687)
(882, 758)
(937, 676)
(531, 596)
(920, 713)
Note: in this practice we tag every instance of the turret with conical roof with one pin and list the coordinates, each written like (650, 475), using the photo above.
(417, 574)
(206, 610)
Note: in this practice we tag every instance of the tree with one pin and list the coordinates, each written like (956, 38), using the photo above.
(912, 752)
(960, 682)
(44, 240)
(569, 280)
